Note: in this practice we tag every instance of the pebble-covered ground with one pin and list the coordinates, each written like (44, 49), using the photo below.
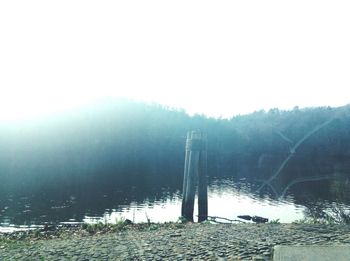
(160, 242)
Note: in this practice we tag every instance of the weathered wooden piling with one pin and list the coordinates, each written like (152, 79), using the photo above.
(184, 185)
(195, 171)
(202, 182)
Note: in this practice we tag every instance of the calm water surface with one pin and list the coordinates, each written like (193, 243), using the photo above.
(228, 198)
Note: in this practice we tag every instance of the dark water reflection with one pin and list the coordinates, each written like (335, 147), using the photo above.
(228, 197)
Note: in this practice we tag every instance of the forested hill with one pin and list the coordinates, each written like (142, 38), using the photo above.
(124, 141)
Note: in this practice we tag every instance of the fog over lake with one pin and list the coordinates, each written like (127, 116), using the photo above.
(118, 158)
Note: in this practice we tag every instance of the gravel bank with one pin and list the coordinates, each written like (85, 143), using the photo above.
(160, 242)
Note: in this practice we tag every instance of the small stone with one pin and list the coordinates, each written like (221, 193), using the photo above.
(175, 235)
(266, 253)
(260, 248)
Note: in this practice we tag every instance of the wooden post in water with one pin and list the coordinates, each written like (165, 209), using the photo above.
(195, 171)
(202, 182)
(184, 185)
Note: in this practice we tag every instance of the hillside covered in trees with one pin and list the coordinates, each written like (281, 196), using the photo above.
(118, 141)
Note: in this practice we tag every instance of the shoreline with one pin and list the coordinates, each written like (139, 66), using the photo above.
(168, 241)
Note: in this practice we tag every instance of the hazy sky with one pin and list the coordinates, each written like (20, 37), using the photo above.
(212, 57)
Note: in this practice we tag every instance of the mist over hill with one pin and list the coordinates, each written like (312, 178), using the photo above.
(118, 141)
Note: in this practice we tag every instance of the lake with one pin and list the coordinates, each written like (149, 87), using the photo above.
(119, 159)
(228, 197)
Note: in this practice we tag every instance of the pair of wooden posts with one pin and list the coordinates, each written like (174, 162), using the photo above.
(195, 172)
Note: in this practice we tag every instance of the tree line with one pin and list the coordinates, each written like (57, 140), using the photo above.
(121, 141)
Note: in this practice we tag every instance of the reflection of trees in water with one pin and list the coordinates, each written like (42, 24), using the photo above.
(309, 179)
(327, 201)
(92, 198)
(341, 190)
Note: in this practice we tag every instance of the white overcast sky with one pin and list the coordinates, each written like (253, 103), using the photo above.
(212, 57)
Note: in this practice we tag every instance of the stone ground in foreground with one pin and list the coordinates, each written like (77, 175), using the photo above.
(191, 242)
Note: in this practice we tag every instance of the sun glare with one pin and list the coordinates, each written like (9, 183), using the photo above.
(32, 103)
(215, 59)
